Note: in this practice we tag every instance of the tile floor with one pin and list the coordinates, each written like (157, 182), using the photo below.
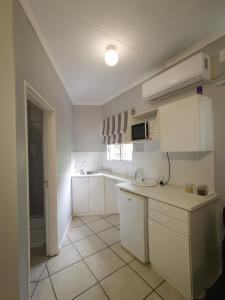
(92, 265)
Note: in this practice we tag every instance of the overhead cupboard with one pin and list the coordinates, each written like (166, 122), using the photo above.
(184, 125)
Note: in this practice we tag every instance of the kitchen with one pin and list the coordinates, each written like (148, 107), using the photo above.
(127, 147)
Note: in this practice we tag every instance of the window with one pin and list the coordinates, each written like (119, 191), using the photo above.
(120, 152)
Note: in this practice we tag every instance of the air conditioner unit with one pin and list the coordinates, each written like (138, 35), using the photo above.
(193, 70)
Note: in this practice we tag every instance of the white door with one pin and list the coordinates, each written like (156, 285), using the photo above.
(169, 253)
(132, 228)
(111, 197)
(96, 194)
(80, 195)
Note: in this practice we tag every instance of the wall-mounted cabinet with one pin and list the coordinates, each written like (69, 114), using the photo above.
(187, 125)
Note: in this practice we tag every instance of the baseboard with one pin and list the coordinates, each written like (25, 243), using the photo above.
(65, 233)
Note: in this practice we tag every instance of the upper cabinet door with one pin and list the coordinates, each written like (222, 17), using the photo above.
(187, 125)
(96, 194)
(80, 195)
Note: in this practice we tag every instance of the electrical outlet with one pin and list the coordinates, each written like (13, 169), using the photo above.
(222, 55)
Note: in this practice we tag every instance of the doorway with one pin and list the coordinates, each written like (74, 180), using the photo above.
(35, 124)
(40, 132)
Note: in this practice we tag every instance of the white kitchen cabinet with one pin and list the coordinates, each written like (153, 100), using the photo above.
(133, 224)
(111, 196)
(187, 125)
(80, 194)
(183, 246)
(96, 194)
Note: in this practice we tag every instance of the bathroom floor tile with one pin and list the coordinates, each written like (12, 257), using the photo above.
(68, 256)
(37, 265)
(90, 245)
(147, 273)
(104, 263)
(78, 233)
(125, 284)
(110, 236)
(66, 242)
(72, 281)
(153, 296)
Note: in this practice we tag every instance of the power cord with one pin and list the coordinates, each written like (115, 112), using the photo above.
(162, 183)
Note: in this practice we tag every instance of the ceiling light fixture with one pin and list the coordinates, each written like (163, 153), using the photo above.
(111, 56)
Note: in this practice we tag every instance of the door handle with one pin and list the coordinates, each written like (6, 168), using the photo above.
(46, 183)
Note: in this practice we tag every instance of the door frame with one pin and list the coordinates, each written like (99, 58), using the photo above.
(49, 151)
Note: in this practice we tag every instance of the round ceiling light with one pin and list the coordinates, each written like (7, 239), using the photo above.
(111, 56)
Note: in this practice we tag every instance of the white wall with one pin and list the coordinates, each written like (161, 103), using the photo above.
(9, 260)
(87, 127)
(33, 65)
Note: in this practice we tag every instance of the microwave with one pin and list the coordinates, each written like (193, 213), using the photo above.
(140, 131)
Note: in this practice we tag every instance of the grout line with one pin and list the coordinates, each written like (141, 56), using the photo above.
(51, 283)
(36, 283)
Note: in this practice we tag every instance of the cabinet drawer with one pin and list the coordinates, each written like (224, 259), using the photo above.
(169, 222)
(169, 210)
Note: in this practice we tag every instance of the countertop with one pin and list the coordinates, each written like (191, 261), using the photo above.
(170, 194)
(115, 176)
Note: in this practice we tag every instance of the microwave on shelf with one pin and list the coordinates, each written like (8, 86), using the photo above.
(142, 131)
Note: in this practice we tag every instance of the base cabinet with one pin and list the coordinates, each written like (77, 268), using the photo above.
(183, 246)
(80, 195)
(96, 194)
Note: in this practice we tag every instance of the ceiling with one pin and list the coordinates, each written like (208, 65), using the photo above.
(145, 32)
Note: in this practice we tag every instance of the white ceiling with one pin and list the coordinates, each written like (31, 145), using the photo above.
(145, 32)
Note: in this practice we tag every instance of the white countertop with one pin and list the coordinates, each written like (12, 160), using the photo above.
(170, 194)
(115, 176)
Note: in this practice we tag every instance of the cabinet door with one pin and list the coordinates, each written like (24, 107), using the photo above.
(80, 195)
(132, 224)
(169, 254)
(111, 196)
(96, 194)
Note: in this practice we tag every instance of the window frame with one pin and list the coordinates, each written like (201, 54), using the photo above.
(121, 153)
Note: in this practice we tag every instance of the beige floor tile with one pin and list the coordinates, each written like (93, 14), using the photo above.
(104, 263)
(76, 222)
(94, 293)
(125, 284)
(99, 225)
(122, 252)
(43, 291)
(110, 236)
(90, 245)
(66, 242)
(32, 287)
(114, 219)
(68, 256)
(153, 296)
(88, 219)
(146, 272)
(37, 265)
(167, 292)
(105, 215)
(44, 274)
(72, 281)
(78, 233)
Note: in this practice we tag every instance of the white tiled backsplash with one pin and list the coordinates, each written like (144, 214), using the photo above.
(192, 167)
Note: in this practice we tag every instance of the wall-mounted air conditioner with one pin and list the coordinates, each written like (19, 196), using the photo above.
(193, 70)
